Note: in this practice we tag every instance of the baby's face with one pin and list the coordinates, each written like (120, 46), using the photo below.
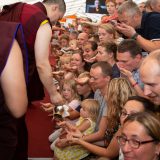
(73, 44)
(65, 65)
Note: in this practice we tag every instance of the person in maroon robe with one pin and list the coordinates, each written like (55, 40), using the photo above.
(36, 20)
(13, 93)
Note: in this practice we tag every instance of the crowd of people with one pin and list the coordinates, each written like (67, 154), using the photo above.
(103, 80)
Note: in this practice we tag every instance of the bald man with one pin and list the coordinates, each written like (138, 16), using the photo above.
(150, 76)
(82, 39)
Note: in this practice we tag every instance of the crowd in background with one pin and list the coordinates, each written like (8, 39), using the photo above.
(104, 60)
(104, 80)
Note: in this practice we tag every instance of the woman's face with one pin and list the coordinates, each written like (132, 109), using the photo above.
(76, 61)
(136, 132)
(104, 36)
(131, 106)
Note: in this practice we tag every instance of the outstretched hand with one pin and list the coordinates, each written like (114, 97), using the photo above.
(91, 60)
(48, 107)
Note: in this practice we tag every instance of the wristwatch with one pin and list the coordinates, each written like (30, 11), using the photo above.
(134, 36)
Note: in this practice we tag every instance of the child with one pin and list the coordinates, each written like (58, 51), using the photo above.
(71, 98)
(73, 44)
(86, 124)
(64, 72)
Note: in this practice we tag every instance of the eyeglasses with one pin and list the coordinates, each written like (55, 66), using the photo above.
(132, 142)
(124, 114)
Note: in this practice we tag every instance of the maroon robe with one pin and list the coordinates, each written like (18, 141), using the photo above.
(30, 16)
(8, 130)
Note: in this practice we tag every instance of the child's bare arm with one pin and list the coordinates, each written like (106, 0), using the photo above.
(84, 125)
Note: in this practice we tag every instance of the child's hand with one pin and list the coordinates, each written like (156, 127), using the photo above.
(71, 140)
(62, 124)
(82, 80)
(61, 143)
(48, 107)
(60, 73)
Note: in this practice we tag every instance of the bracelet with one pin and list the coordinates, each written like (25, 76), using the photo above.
(133, 85)
(134, 36)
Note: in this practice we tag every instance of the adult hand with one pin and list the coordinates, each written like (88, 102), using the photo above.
(82, 80)
(76, 133)
(91, 60)
(125, 72)
(125, 29)
(57, 99)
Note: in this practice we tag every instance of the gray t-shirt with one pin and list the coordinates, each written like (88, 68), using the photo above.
(103, 107)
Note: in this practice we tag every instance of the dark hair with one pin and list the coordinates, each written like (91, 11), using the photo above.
(61, 3)
(93, 44)
(110, 47)
(64, 36)
(149, 121)
(129, 45)
(105, 67)
(147, 104)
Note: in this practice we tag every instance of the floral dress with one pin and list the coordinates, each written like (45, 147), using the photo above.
(75, 152)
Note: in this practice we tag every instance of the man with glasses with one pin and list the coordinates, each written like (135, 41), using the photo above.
(144, 28)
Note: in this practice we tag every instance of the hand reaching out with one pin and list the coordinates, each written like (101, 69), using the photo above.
(48, 107)
(91, 60)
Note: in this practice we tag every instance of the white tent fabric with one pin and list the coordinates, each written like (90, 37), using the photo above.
(76, 7)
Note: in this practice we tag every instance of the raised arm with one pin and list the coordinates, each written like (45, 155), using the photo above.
(13, 83)
(147, 45)
(42, 42)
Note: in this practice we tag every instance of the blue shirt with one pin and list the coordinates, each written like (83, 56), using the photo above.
(150, 26)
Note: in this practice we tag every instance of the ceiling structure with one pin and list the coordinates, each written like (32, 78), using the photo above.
(74, 7)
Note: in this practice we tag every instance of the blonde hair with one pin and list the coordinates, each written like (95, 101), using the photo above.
(84, 75)
(119, 90)
(65, 58)
(72, 85)
(92, 106)
(109, 28)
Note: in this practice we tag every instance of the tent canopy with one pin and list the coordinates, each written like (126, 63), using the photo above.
(74, 7)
